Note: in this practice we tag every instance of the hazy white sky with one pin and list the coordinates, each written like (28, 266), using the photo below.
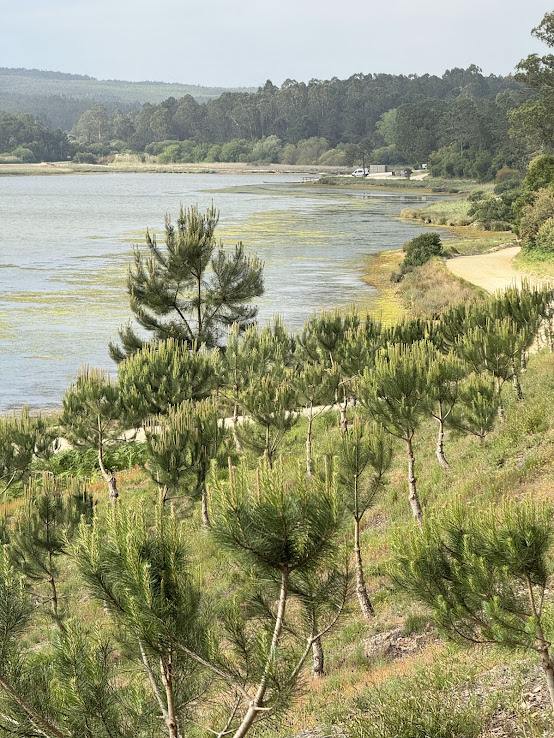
(245, 42)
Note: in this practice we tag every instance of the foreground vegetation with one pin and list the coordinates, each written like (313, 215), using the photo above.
(284, 457)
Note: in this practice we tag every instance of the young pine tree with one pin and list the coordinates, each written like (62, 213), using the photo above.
(91, 416)
(140, 574)
(281, 531)
(485, 575)
(444, 378)
(43, 529)
(365, 448)
(190, 289)
(395, 393)
(181, 447)
(162, 375)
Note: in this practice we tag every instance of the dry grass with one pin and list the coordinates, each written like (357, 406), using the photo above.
(431, 288)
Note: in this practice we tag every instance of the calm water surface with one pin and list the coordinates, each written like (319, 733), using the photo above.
(65, 243)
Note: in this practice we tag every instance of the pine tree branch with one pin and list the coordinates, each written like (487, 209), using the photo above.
(152, 680)
(44, 725)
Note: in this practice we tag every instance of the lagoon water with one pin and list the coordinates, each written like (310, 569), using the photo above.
(65, 245)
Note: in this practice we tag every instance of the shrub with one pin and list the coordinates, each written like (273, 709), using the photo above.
(545, 237)
(534, 215)
(422, 248)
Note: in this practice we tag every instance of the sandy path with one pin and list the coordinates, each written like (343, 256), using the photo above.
(492, 271)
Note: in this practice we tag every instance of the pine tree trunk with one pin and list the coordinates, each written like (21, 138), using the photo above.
(205, 514)
(267, 451)
(517, 386)
(318, 669)
(257, 702)
(238, 445)
(361, 590)
(412, 485)
(501, 416)
(171, 718)
(548, 668)
(109, 478)
(54, 601)
(309, 463)
(344, 416)
(440, 447)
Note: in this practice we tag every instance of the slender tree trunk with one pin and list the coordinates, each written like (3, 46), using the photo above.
(548, 668)
(238, 445)
(199, 308)
(171, 719)
(361, 590)
(546, 661)
(267, 452)
(309, 464)
(516, 383)
(440, 446)
(258, 699)
(54, 603)
(318, 668)
(205, 514)
(343, 415)
(412, 485)
(109, 478)
(501, 416)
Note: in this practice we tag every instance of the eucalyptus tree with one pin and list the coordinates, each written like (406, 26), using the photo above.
(140, 574)
(190, 289)
(485, 575)
(181, 447)
(445, 374)
(91, 416)
(165, 374)
(364, 456)
(395, 392)
(44, 527)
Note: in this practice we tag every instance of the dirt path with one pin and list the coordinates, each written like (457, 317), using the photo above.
(493, 271)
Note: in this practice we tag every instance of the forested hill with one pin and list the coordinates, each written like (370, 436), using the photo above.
(59, 98)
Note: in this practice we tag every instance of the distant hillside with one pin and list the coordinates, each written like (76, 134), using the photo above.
(59, 99)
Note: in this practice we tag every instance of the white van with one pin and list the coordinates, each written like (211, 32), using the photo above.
(360, 173)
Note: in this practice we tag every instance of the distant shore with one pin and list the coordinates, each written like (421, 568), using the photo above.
(131, 165)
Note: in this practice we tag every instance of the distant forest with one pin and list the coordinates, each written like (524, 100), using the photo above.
(460, 123)
(58, 99)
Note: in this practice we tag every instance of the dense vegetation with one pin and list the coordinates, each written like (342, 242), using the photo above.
(108, 629)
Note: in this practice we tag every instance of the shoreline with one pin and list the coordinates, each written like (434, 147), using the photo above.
(137, 167)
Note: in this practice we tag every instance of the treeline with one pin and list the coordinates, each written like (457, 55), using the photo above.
(392, 119)
(23, 139)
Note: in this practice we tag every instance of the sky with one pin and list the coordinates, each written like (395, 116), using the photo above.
(245, 42)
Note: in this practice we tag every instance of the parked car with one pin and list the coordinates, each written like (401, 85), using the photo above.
(360, 173)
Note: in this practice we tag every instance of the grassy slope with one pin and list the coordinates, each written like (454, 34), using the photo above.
(517, 460)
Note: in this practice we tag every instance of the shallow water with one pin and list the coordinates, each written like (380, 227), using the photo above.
(65, 244)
